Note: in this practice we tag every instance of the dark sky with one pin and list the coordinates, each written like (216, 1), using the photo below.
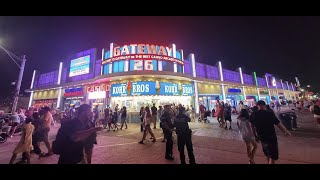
(283, 46)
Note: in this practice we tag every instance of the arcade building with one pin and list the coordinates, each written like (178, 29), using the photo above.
(136, 75)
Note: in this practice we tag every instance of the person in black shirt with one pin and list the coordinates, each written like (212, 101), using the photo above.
(263, 122)
(184, 134)
(123, 117)
(74, 136)
(167, 127)
(154, 115)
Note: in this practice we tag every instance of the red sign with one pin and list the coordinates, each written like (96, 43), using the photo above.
(143, 57)
(98, 87)
(70, 94)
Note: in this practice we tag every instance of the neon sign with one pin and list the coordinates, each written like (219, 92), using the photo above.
(80, 66)
(143, 57)
(144, 52)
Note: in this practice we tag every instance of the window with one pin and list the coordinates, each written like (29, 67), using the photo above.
(167, 66)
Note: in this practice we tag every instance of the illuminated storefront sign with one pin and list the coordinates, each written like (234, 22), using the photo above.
(97, 95)
(169, 89)
(151, 88)
(265, 92)
(98, 87)
(187, 90)
(146, 52)
(80, 66)
(232, 90)
(143, 57)
(118, 90)
(73, 92)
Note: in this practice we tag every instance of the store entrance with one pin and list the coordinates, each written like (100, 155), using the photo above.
(209, 102)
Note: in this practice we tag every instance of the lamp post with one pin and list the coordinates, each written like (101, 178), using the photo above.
(15, 58)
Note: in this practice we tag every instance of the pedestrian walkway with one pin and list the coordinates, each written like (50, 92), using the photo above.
(212, 145)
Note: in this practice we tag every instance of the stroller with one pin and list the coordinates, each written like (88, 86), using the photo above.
(289, 120)
(205, 117)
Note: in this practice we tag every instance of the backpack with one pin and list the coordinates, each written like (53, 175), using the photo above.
(316, 110)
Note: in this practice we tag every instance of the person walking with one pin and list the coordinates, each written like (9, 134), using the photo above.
(142, 114)
(227, 115)
(123, 117)
(184, 134)
(154, 115)
(25, 143)
(75, 137)
(167, 127)
(147, 129)
(263, 127)
(248, 137)
(46, 119)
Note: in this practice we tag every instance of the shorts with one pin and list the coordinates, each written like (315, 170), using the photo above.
(270, 149)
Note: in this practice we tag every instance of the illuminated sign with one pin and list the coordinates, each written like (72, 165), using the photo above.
(142, 88)
(142, 52)
(98, 87)
(118, 90)
(143, 57)
(80, 66)
(232, 90)
(187, 90)
(273, 82)
(264, 92)
(73, 92)
(151, 88)
(97, 95)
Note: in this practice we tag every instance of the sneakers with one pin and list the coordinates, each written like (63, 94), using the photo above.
(154, 140)
(163, 141)
(140, 142)
(169, 158)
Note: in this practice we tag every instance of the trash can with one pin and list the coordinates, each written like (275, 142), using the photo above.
(286, 120)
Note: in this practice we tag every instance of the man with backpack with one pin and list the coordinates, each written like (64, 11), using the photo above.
(315, 110)
(73, 136)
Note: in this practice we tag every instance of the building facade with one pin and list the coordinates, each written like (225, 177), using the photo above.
(136, 75)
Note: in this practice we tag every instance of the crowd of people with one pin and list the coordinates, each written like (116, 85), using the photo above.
(79, 126)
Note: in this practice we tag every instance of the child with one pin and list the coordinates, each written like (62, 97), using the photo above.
(247, 134)
(25, 144)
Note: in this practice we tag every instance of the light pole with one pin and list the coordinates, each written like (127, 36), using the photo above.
(21, 67)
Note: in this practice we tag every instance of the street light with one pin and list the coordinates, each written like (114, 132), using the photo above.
(15, 58)
(308, 85)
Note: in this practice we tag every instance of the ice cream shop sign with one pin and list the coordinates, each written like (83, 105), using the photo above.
(150, 88)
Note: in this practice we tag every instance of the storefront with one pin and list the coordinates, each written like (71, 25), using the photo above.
(274, 94)
(233, 95)
(137, 94)
(251, 96)
(73, 96)
(281, 95)
(264, 95)
(209, 94)
(45, 98)
(98, 95)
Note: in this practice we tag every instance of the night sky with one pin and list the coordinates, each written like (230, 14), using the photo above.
(283, 46)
